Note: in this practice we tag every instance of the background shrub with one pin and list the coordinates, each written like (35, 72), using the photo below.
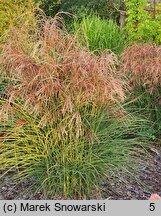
(105, 8)
(50, 7)
(140, 25)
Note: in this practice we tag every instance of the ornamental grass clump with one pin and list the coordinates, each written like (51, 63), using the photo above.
(58, 121)
(142, 65)
(142, 62)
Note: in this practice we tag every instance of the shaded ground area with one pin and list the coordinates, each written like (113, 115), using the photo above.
(146, 183)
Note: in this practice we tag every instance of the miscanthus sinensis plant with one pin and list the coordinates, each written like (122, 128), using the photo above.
(59, 126)
(142, 66)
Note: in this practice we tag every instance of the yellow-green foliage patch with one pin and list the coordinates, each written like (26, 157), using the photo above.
(16, 13)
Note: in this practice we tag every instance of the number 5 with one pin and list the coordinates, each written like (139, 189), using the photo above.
(152, 207)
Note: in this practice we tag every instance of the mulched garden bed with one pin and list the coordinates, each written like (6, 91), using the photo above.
(147, 182)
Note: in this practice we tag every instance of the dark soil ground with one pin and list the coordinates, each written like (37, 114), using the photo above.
(147, 182)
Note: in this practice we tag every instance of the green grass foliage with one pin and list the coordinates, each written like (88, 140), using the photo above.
(58, 163)
(98, 34)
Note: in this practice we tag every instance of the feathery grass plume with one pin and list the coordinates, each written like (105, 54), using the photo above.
(55, 70)
(142, 65)
(58, 122)
(142, 62)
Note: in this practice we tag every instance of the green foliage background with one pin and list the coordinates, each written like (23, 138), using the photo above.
(104, 8)
(140, 24)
